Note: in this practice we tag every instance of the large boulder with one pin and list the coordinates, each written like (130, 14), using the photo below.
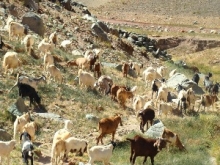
(18, 108)
(97, 30)
(181, 79)
(34, 22)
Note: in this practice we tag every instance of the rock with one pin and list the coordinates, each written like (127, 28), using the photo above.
(181, 79)
(97, 30)
(4, 136)
(18, 108)
(31, 4)
(103, 26)
(34, 22)
(156, 130)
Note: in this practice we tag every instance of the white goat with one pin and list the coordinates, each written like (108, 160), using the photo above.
(58, 145)
(10, 61)
(28, 42)
(75, 144)
(86, 79)
(45, 47)
(101, 153)
(6, 148)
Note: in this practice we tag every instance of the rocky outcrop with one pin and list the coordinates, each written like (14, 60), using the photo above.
(34, 22)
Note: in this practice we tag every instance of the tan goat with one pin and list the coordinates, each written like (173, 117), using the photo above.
(108, 126)
(54, 72)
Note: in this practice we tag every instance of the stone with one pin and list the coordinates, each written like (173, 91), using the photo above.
(34, 22)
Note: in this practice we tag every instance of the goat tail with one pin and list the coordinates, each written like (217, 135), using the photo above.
(18, 75)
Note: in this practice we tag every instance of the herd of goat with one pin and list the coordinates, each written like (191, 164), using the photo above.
(143, 105)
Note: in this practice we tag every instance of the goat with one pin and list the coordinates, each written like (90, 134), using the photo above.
(81, 63)
(17, 29)
(186, 99)
(125, 69)
(20, 122)
(141, 146)
(115, 88)
(137, 67)
(214, 89)
(97, 69)
(24, 137)
(196, 78)
(207, 82)
(123, 95)
(10, 61)
(30, 128)
(145, 116)
(101, 153)
(59, 144)
(45, 47)
(33, 82)
(48, 60)
(26, 90)
(53, 38)
(108, 126)
(104, 84)
(86, 79)
(75, 144)
(54, 72)
(27, 152)
(28, 42)
(6, 148)
(165, 108)
(207, 100)
(173, 138)
(138, 102)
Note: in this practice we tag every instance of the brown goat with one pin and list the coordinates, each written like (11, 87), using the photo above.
(145, 116)
(146, 147)
(114, 90)
(173, 138)
(123, 95)
(93, 61)
(108, 126)
(125, 69)
(97, 69)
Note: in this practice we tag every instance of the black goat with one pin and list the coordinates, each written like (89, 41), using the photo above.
(27, 151)
(28, 91)
(145, 116)
(146, 147)
(214, 89)
(196, 78)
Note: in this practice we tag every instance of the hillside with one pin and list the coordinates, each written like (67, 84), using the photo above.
(198, 131)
